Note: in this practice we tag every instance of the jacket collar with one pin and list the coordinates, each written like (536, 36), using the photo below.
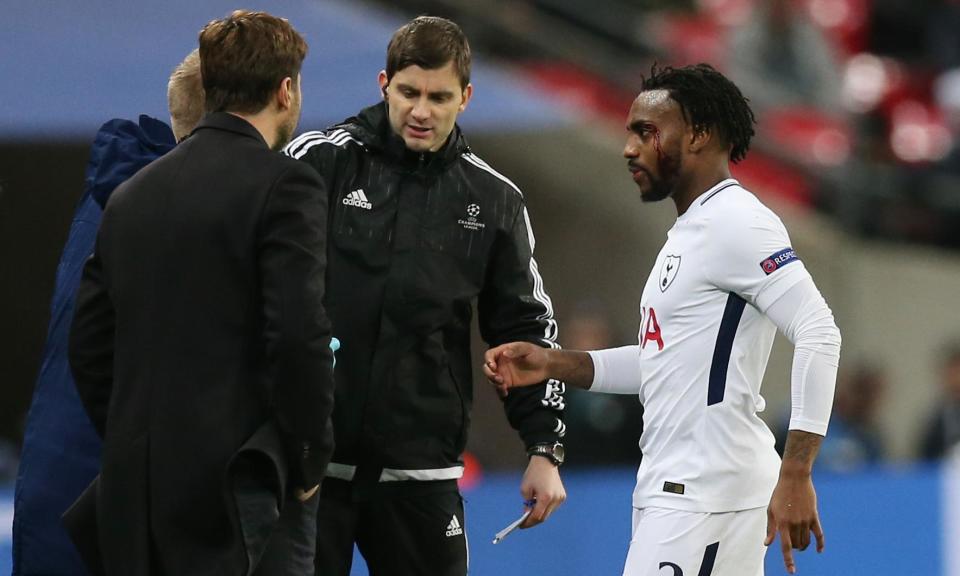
(230, 123)
(372, 127)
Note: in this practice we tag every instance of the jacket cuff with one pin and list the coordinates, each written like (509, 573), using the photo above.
(544, 426)
(312, 466)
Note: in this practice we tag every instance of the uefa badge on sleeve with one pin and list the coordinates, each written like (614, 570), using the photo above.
(778, 260)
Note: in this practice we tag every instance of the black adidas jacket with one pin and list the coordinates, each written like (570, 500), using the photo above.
(414, 239)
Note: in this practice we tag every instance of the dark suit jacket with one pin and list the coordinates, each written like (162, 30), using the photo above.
(199, 319)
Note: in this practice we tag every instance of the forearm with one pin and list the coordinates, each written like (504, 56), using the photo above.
(799, 453)
(536, 412)
(813, 381)
(572, 367)
(613, 371)
(805, 319)
(292, 263)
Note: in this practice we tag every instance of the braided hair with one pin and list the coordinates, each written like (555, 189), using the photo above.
(709, 101)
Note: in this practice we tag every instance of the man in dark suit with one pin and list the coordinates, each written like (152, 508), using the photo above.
(200, 335)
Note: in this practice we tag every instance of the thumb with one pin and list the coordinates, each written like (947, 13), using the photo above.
(527, 491)
(771, 529)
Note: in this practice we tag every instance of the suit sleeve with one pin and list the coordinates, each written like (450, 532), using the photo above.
(292, 263)
(91, 340)
(513, 306)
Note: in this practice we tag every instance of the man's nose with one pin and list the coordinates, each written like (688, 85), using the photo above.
(421, 110)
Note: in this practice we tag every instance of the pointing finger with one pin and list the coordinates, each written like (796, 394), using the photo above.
(786, 547)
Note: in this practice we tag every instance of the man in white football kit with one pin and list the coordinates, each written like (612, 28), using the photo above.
(724, 282)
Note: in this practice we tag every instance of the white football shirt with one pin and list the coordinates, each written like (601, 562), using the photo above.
(704, 343)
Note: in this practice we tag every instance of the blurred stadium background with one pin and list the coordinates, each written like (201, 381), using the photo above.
(858, 103)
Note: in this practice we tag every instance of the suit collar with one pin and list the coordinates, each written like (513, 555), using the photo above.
(230, 123)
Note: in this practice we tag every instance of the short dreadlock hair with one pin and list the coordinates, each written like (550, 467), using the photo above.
(709, 101)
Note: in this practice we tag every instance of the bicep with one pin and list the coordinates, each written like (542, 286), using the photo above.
(514, 303)
(292, 240)
(752, 256)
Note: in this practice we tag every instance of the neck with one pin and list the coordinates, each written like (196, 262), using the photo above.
(699, 182)
(265, 122)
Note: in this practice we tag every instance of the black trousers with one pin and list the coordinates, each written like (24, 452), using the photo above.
(290, 549)
(401, 528)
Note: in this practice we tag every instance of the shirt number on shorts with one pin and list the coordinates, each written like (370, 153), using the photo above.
(706, 566)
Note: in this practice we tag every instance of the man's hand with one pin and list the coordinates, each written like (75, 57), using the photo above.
(523, 364)
(304, 495)
(793, 507)
(516, 364)
(541, 482)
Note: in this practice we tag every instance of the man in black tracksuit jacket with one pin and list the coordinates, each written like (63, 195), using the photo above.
(420, 227)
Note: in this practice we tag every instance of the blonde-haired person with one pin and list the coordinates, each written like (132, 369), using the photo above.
(61, 450)
(185, 96)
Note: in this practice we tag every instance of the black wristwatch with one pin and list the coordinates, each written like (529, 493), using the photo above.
(554, 452)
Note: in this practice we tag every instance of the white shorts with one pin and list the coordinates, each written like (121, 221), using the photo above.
(677, 543)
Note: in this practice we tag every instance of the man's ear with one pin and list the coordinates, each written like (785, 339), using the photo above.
(700, 139)
(383, 81)
(467, 95)
(285, 93)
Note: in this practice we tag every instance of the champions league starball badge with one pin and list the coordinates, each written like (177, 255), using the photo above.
(472, 222)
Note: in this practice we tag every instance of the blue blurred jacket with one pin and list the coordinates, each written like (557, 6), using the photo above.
(61, 450)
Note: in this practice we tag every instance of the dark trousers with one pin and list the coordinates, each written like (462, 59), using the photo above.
(401, 529)
(290, 549)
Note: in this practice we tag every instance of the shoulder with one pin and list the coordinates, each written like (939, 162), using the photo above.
(487, 179)
(730, 200)
(736, 212)
(316, 142)
(289, 167)
(153, 173)
(290, 175)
